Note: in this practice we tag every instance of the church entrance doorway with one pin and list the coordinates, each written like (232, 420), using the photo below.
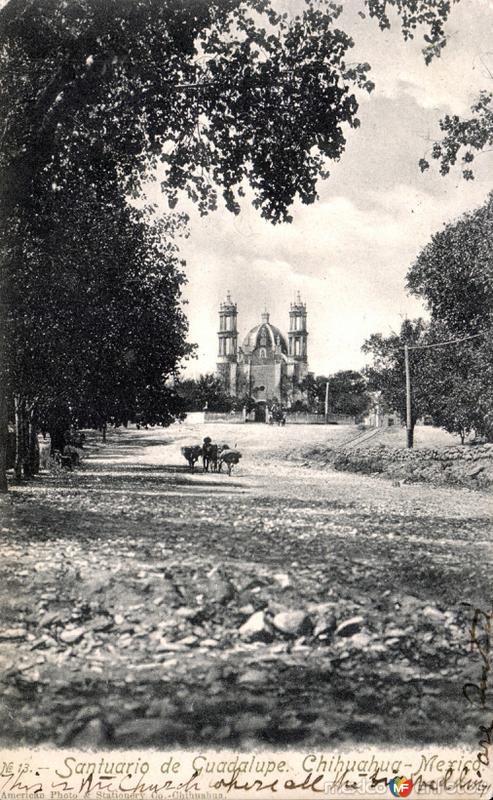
(261, 411)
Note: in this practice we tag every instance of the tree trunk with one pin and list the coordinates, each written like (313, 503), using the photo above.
(19, 438)
(26, 464)
(56, 439)
(103, 430)
(33, 447)
(4, 398)
(4, 440)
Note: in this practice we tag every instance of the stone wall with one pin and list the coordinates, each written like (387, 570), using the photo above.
(470, 466)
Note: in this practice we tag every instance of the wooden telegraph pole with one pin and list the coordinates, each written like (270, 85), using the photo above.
(326, 401)
(409, 424)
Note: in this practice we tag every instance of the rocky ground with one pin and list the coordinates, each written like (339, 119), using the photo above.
(142, 605)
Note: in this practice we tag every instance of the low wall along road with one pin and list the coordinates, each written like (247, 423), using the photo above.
(469, 466)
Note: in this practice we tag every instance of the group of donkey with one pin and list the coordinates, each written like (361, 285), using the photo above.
(214, 456)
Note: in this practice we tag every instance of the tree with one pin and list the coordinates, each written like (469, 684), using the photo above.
(452, 384)
(313, 388)
(244, 403)
(481, 389)
(347, 392)
(206, 391)
(95, 328)
(218, 92)
(452, 402)
(386, 374)
(454, 276)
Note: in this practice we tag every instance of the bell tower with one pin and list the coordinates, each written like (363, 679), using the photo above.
(298, 334)
(228, 344)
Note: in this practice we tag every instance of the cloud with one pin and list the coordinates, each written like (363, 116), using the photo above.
(450, 83)
(348, 254)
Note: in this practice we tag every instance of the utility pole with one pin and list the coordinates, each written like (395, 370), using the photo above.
(326, 401)
(409, 424)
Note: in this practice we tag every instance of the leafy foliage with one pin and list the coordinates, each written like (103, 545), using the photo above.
(453, 385)
(414, 14)
(206, 391)
(99, 94)
(454, 275)
(452, 399)
(95, 327)
(347, 392)
(202, 88)
(386, 374)
(219, 92)
(464, 138)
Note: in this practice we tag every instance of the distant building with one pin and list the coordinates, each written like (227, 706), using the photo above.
(268, 366)
(379, 416)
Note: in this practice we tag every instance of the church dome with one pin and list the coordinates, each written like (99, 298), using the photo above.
(264, 335)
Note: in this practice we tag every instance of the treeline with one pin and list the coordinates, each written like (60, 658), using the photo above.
(346, 392)
(452, 383)
(95, 326)
(94, 323)
(207, 392)
(347, 395)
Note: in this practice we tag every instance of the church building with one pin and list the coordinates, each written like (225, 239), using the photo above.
(267, 366)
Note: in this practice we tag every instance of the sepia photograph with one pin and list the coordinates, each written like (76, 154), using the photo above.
(246, 399)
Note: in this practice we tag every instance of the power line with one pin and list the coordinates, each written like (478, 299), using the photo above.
(407, 348)
(441, 344)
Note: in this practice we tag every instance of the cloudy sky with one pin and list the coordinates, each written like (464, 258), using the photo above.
(348, 254)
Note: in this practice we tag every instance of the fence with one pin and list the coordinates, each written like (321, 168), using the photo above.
(228, 416)
(295, 418)
(304, 418)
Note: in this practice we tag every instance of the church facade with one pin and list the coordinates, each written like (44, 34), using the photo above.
(268, 366)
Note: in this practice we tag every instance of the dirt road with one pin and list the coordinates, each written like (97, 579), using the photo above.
(142, 605)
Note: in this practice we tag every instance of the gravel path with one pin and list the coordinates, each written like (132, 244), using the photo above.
(142, 605)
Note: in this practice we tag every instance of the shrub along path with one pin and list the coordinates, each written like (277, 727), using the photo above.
(141, 605)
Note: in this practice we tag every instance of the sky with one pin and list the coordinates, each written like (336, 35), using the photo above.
(348, 254)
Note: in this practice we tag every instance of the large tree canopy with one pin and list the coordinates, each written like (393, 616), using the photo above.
(94, 319)
(218, 91)
(454, 273)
